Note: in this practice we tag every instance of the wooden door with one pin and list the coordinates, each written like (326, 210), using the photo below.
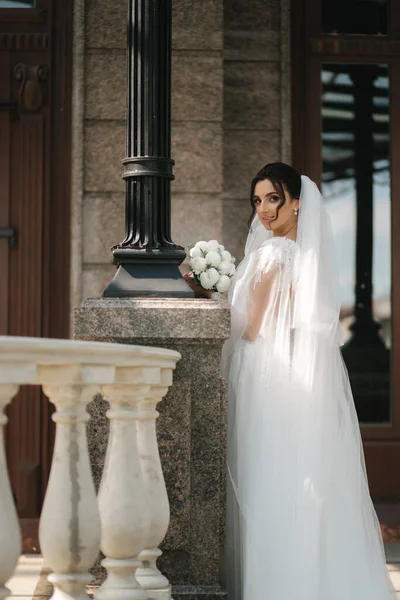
(346, 132)
(35, 78)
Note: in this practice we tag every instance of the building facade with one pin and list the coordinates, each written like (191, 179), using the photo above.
(308, 82)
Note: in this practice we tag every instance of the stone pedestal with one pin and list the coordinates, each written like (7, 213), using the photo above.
(191, 427)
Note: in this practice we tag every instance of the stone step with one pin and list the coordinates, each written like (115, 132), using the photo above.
(30, 578)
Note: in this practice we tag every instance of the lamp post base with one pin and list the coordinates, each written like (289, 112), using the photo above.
(128, 283)
(148, 273)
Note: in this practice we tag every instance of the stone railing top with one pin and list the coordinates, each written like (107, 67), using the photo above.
(22, 359)
(54, 351)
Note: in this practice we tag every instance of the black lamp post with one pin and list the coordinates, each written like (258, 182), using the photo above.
(147, 258)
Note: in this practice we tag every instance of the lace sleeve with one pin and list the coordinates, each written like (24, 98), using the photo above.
(257, 294)
(270, 286)
(272, 256)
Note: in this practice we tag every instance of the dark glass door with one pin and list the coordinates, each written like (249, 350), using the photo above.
(356, 185)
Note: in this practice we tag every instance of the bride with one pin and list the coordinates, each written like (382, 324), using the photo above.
(301, 523)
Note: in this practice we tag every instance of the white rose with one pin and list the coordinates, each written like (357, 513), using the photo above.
(223, 284)
(226, 255)
(209, 278)
(233, 260)
(212, 245)
(226, 268)
(195, 252)
(198, 264)
(213, 258)
(221, 248)
(202, 245)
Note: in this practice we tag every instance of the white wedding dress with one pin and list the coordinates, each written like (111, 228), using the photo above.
(300, 523)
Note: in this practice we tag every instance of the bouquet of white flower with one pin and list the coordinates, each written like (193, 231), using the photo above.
(212, 266)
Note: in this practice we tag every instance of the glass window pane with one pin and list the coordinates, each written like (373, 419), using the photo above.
(354, 16)
(17, 4)
(356, 187)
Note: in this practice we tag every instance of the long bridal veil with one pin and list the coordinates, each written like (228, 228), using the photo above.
(300, 518)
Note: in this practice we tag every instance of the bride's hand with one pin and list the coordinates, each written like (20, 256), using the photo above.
(199, 291)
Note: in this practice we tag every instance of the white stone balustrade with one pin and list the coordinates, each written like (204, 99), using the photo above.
(131, 515)
(148, 575)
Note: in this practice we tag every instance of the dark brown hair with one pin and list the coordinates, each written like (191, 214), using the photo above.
(282, 177)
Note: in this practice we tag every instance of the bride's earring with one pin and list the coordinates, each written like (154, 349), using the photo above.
(296, 211)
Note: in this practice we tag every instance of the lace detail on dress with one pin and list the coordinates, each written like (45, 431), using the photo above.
(276, 253)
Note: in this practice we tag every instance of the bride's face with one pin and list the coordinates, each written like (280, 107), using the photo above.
(267, 200)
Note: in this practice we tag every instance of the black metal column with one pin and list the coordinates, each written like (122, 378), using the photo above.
(147, 258)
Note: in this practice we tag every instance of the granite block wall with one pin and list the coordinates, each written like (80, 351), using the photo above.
(197, 119)
(197, 79)
(256, 109)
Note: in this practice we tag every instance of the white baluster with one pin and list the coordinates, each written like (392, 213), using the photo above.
(70, 523)
(10, 535)
(149, 576)
(124, 511)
